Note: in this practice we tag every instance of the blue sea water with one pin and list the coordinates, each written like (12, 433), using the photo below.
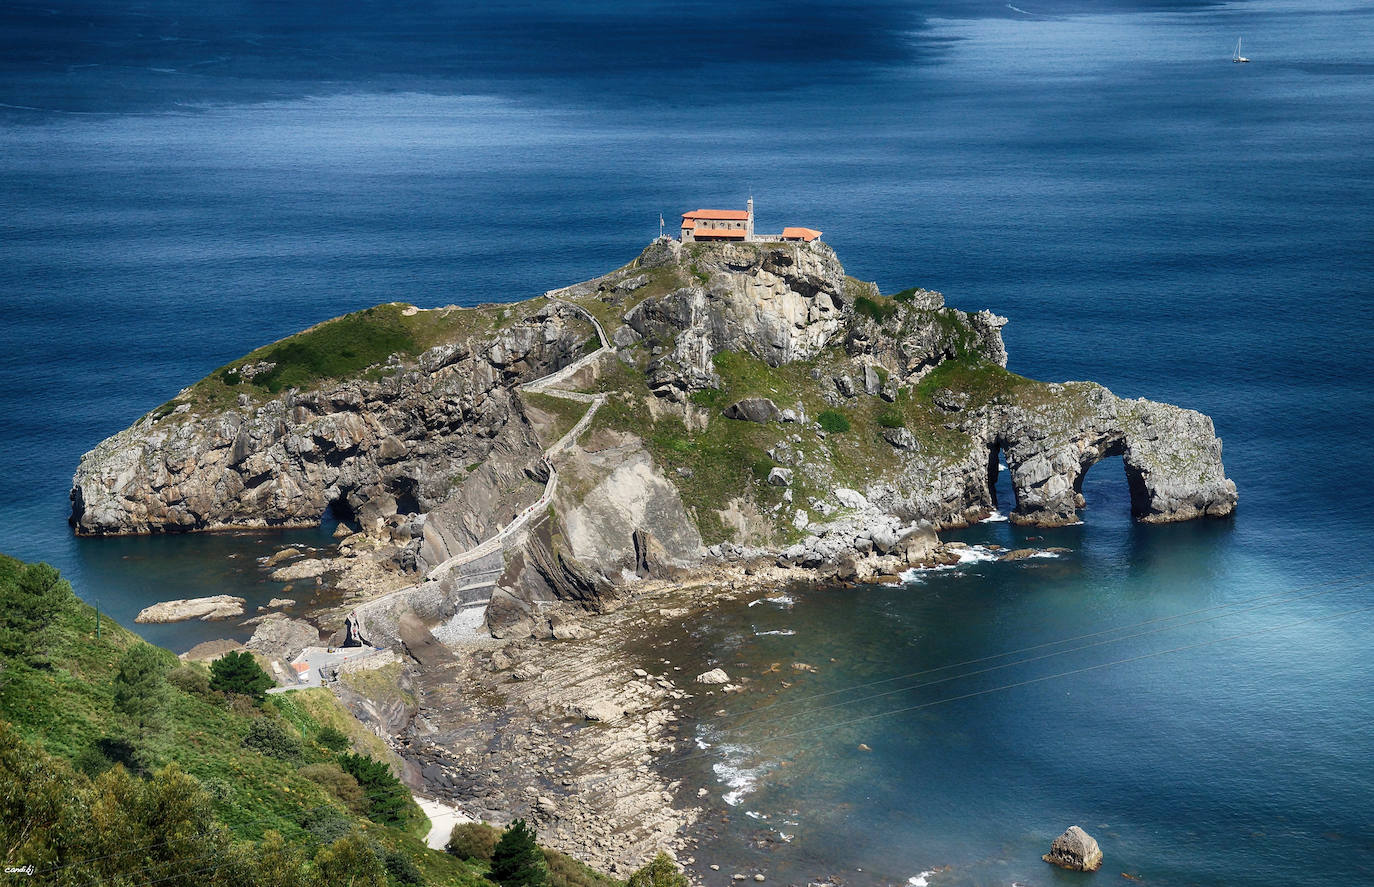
(180, 183)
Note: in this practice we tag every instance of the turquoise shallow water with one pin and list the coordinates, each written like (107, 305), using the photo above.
(201, 180)
(1202, 766)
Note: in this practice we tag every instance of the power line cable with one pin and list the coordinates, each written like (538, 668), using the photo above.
(1076, 671)
(1025, 661)
(1347, 581)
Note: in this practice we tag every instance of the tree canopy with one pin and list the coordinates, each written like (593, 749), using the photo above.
(660, 871)
(239, 672)
(517, 860)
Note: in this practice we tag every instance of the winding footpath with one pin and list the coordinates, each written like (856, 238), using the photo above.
(542, 385)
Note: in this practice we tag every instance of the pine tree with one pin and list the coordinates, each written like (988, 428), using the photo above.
(238, 672)
(140, 686)
(33, 597)
(517, 860)
(388, 802)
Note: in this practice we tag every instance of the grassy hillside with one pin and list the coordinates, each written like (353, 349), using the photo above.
(109, 746)
(351, 346)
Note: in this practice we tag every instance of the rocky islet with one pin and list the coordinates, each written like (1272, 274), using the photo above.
(871, 423)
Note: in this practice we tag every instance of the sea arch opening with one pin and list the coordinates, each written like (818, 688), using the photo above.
(1104, 490)
(1001, 490)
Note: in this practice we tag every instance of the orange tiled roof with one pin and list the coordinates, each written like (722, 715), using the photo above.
(688, 224)
(733, 215)
(732, 233)
(807, 234)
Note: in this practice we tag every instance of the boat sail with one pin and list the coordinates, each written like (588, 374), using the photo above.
(1238, 58)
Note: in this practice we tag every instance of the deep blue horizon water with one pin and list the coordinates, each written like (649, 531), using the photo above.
(180, 185)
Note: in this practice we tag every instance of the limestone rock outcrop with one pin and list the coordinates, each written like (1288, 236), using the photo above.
(617, 518)
(281, 638)
(1075, 850)
(779, 303)
(220, 606)
(1172, 460)
(395, 441)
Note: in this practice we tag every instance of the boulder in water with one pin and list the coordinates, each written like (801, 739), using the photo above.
(1075, 850)
(220, 606)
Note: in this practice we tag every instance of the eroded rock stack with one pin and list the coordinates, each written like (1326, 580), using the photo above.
(1075, 850)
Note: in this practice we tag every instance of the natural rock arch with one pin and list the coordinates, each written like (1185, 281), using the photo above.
(1172, 460)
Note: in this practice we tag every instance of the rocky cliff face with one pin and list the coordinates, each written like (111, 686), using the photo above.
(780, 304)
(753, 400)
(402, 437)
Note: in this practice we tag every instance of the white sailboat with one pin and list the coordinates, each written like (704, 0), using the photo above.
(1238, 58)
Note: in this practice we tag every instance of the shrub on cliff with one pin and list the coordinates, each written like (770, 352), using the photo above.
(891, 419)
(350, 861)
(341, 785)
(270, 737)
(326, 823)
(879, 309)
(472, 840)
(565, 871)
(239, 672)
(660, 871)
(517, 860)
(332, 738)
(400, 867)
(190, 679)
(388, 802)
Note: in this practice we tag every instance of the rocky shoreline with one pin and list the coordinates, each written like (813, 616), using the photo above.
(565, 473)
(572, 733)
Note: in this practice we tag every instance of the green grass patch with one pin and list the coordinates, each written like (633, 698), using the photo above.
(891, 418)
(833, 422)
(563, 413)
(879, 309)
(334, 349)
(355, 345)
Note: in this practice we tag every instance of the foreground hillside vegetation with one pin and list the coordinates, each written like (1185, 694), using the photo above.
(119, 765)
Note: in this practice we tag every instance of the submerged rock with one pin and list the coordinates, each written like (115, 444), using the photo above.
(714, 676)
(1075, 850)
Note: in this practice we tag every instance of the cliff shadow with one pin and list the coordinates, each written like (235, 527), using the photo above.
(338, 511)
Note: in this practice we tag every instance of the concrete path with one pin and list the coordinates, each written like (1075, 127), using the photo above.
(442, 819)
(316, 658)
(542, 385)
